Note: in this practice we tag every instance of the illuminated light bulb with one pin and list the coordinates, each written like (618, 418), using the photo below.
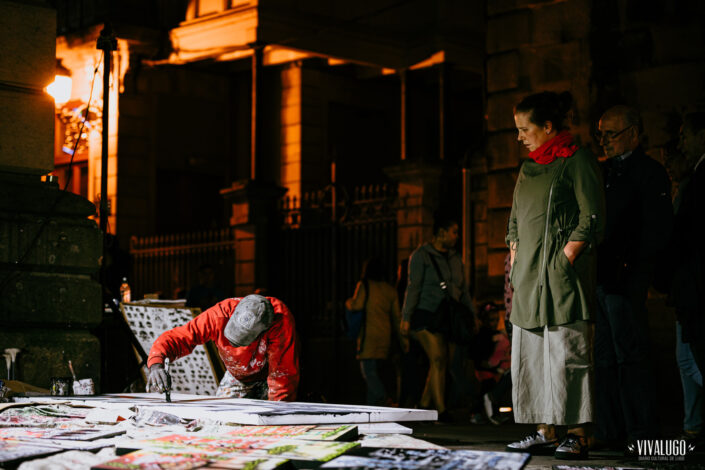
(60, 89)
(505, 409)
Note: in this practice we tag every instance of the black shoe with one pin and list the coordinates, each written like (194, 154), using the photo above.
(572, 448)
(534, 444)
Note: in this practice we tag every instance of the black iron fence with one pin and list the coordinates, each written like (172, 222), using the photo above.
(326, 237)
(168, 265)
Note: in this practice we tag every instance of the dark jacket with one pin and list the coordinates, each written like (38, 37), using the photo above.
(424, 289)
(688, 260)
(639, 222)
(553, 204)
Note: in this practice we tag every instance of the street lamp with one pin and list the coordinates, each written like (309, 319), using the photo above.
(60, 88)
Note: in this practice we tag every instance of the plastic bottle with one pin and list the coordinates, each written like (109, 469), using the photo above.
(125, 291)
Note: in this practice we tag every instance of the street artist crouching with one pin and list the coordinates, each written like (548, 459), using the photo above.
(256, 339)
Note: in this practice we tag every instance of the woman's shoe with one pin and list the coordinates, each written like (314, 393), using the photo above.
(573, 447)
(534, 444)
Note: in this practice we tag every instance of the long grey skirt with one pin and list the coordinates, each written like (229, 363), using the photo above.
(552, 374)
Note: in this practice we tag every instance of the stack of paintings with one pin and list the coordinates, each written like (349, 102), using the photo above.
(269, 450)
(429, 459)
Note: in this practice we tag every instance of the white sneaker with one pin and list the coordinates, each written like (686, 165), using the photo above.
(535, 444)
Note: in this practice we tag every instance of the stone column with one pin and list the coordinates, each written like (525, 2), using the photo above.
(418, 188)
(418, 198)
(49, 250)
(254, 217)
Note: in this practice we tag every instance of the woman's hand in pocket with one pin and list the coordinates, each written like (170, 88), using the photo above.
(571, 250)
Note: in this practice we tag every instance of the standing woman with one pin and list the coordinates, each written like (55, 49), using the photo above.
(379, 299)
(556, 222)
(422, 312)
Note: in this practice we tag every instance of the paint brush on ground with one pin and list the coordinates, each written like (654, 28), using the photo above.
(76, 385)
(167, 391)
(13, 355)
(8, 361)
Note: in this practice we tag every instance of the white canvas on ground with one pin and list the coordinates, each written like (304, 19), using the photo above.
(260, 412)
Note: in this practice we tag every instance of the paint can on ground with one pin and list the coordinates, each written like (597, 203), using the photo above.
(83, 387)
(61, 386)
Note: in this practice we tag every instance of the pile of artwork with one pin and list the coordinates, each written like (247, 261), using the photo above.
(412, 459)
(141, 431)
(190, 374)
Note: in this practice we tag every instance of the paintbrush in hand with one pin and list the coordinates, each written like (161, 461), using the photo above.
(167, 390)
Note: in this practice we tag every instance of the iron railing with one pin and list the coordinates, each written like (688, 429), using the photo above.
(168, 264)
(322, 250)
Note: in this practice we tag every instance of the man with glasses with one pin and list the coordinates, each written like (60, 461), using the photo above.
(639, 219)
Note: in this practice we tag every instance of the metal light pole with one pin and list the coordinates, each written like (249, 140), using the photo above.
(107, 42)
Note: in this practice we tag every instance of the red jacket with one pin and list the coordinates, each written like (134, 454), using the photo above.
(274, 355)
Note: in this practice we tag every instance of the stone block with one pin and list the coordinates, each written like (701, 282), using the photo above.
(26, 132)
(561, 22)
(497, 227)
(45, 354)
(28, 38)
(495, 263)
(410, 237)
(50, 299)
(503, 71)
(31, 196)
(677, 43)
(134, 106)
(481, 256)
(500, 110)
(480, 209)
(495, 7)
(480, 232)
(64, 245)
(669, 87)
(509, 31)
(503, 150)
(500, 189)
(553, 64)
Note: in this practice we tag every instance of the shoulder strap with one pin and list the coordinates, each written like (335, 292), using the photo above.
(443, 284)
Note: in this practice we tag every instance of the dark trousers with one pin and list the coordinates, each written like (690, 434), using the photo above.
(624, 399)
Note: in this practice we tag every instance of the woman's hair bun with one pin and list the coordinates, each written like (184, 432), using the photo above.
(546, 106)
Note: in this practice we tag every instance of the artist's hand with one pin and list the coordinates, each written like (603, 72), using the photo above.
(158, 380)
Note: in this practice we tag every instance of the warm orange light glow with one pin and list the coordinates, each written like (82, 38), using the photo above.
(60, 89)
(505, 409)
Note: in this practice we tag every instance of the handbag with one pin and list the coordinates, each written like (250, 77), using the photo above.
(453, 318)
(355, 319)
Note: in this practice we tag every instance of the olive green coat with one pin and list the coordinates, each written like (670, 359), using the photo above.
(553, 204)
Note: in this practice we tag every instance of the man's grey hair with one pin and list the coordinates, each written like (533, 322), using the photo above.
(630, 116)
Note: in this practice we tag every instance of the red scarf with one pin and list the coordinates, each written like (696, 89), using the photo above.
(559, 146)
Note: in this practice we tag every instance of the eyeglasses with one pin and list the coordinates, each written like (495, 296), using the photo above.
(610, 135)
